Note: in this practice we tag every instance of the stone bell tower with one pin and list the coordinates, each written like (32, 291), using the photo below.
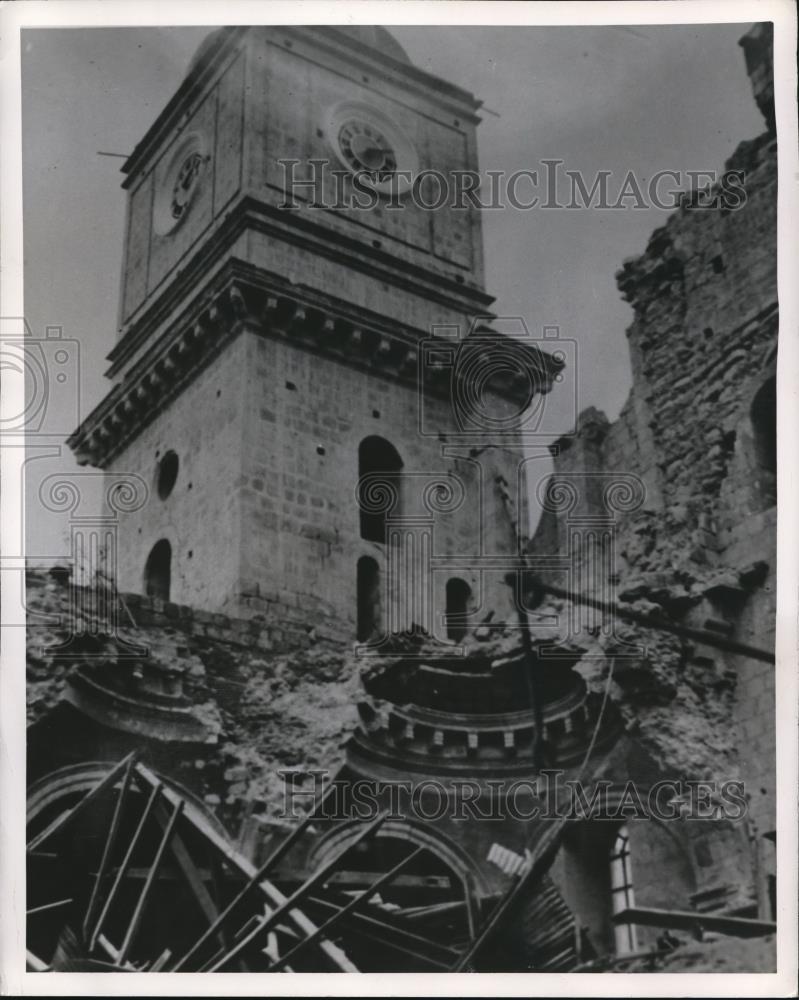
(292, 321)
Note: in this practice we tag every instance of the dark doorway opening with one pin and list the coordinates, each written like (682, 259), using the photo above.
(158, 570)
(368, 599)
(379, 460)
(459, 595)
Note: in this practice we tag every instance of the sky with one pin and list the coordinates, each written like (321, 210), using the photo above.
(626, 98)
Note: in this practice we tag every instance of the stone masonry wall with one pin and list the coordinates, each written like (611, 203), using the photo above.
(702, 546)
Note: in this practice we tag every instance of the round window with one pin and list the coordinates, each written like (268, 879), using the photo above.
(167, 474)
(180, 183)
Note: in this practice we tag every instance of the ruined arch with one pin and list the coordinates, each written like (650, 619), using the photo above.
(447, 853)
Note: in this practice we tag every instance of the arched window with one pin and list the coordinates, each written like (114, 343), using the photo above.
(368, 599)
(379, 459)
(459, 595)
(157, 571)
(621, 887)
(764, 432)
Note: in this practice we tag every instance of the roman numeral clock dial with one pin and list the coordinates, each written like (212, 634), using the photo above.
(372, 146)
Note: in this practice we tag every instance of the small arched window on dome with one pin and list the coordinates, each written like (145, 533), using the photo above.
(763, 415)
(158, 570)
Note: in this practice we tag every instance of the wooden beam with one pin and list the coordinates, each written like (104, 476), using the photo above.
(108, 848)
(371, 920)
(362, 879)
(431, 911)
(34, 964)
(542, 856)
(161, 961)
(369, 926)
(658, 624)
(318, 878)
(144, 897)
(255, 879)
(389, 876)
(47, 906)
(270, 894)
(59, 823)
(196, 877)
(125, 865)
(690, 920)
(471, 906)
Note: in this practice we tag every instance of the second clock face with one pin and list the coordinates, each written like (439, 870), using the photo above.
(180, 183)
(370, 144)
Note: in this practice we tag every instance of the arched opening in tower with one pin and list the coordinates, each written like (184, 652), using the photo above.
(379, 479)
(158, 571)
(368, 599)
(459, 595)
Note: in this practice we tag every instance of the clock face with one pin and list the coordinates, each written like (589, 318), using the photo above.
(188, 176)
(372, 146)
(367, 150)
(180, 183)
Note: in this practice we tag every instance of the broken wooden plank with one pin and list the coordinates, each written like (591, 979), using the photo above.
(34, 964)
(120, 875)
(47, 906)
(257, 876)
(67, 817)
(366, 925)
(471, 906)
(538, 862)
(138, 913)
(161, 961)
(689, 920)
(389, 876)
(375, 921)
(228, 853)
(358, 880)
(108, 848)
(318, 878)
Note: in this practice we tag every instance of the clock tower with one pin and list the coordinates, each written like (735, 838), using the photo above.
(296, 298)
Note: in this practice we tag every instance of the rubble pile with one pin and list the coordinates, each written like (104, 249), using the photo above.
(276, 699)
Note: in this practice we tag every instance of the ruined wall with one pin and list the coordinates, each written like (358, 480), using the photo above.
(698, 430)
(273, 695)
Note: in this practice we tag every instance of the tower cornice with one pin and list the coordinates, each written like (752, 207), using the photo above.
(242, 297)
(253, 215)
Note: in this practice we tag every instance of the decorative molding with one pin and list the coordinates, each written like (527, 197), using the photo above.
(251, 215)
(241, 298)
